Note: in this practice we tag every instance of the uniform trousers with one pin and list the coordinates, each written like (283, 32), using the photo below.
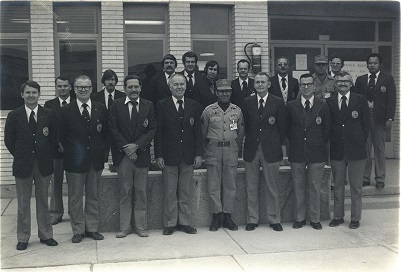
(355, 174)
(131, 177)
(88, 219)
(24, 194)
(377, 138)
(307, 175)
(177, 182)
(221, 163)
(271, 177)
(56, 199)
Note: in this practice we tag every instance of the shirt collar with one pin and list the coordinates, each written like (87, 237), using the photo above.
(106, 94)
(175, 100)
(127, 100)
(377, 74)
(89, 103)
(311, 100)
(340, 95)
(280, 77)
(28, 111)
(68, 100)
(241, 81)
(167, 76)
(264, 98)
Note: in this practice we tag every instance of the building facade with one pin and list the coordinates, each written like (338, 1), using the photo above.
(40, 40)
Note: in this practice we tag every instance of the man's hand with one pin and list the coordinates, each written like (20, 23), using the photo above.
(389, 124)
(197, 161)
(160, 163)
(130, 149)
(133, 156)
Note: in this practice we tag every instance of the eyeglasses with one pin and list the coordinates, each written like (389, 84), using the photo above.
(282, 64)
(336, 63)
(341, 82)
(80, 88)
(306, 85)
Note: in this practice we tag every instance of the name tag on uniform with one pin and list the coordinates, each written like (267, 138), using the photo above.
(370, 104)
(233, 125)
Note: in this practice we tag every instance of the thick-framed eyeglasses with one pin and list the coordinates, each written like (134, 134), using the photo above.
(341, 82)
(306, 85)
(80, 88)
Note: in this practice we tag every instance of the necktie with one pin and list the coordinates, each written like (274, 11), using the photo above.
(190, 82)
(110, 101)
(180, 109)
(283, 84)
(85, 113)
(371, 87)
(32, 122)
(244, 87)
(307, 105)
(63, 103)
(343, 104)
(261, 106)
(134, 112)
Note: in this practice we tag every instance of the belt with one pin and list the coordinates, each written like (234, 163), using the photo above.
(223, 143)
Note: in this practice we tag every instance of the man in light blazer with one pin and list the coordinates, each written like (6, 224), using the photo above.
(30, 135)
(132, 130)
(83, 136)
(178, 150)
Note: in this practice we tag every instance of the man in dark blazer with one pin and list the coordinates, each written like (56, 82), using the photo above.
(178, 150)
(264, 117)
(308, 131)
(205, 94)
(132, 130)
(242, 86)
(158, 86)
(193, 77)
(379, 89)
(282, 84)
(106, 97)
(83, 137)
(63, 89)
(349, 133)
(30, 135)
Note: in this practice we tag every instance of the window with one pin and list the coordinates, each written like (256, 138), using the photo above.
(14, 52)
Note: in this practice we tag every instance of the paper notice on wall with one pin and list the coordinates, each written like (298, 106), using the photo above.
(355, 68)
(301, 62)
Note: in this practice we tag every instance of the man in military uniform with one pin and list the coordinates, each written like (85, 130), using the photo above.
(323, 82)
(223, 130)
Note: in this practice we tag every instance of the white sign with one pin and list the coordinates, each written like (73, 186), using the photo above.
(355, 68)
(301, 62)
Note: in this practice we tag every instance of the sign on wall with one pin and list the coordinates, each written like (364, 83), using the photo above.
(355, 68)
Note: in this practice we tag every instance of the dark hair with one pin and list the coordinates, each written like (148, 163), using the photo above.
(374, 55)
(171, 57)
(63, 78)
(283, 57)
(211, 63)
(338, 56)
(109, 74)
(132, 77)
(307, 75)
(244, 61)
(30, 83)
(189, 54)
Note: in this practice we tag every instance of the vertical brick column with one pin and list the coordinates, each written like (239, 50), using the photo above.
(112, 32)
(42, 48)
(249, 24)
(179, 30)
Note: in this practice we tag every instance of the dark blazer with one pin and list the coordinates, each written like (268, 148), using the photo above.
(308, 137)
(99, 96)
(349, 133)
(237, 95)
(158, 88)
(122, 132)
(203, 94)
(178, 141)
(191, 93)
(293, 87)
(82, 147)
(25, 148)
(384, 97)
(268, 130)
(54, 105)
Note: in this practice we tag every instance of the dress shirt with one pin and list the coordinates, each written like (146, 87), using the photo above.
(106, 97)
(264, 100)
(176, 103)
(340, 100)
(377, 76)
(28, 112)
(127, 100)
(168, 76)
(68, 100)
(187, 77)
(81, 108)
(303, 100)
(242, 82)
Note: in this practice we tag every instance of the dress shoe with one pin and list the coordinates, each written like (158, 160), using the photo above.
(298, 224)
(187, 229)
(228, 222)
(365, 183)
(122, 234)
(251, 226)
(168, 231)
(22, 246)
(216, 222)
(94, 235)
(379, 185)
(77, 238)
(276, 227)
(141, 232)
(316, 226)
(55, 221)
(49, 242)
(354, 225)
(336, 222)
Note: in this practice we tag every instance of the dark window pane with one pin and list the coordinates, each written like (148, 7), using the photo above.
(14, 17)
(212, 50)
(139, 56)
(297, 29)
(79, 58)
(77, 17)
(351, 54)
(210, 19)
(386, 53)
(145, 18)
(14, 71)
(385, 31)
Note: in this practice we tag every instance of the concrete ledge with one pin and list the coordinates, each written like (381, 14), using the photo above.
(199, 200)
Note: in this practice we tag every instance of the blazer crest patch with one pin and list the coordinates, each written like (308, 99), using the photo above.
(146, 123)
(191, 121)
(45, 131)
(272, 120)
(354, 114)
(318, 120)
(99, 127)
(383, 89)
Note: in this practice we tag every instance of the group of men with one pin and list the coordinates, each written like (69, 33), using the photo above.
(190, 116)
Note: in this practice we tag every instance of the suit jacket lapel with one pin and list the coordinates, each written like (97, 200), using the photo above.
(170, 107)
(143, 110)
(269, 103)
(351, 105)
(299, 108)
(379, 81)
